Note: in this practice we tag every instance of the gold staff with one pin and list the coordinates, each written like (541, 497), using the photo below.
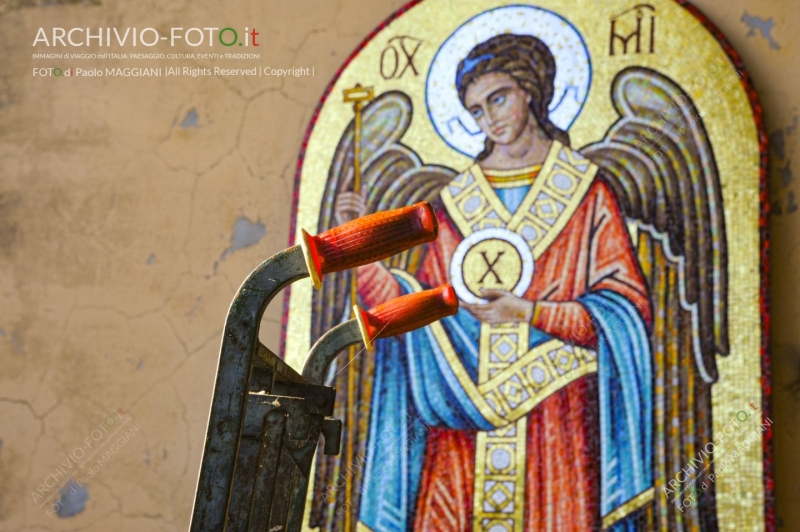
(359, 96)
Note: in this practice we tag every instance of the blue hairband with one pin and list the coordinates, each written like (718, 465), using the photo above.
(469, 66)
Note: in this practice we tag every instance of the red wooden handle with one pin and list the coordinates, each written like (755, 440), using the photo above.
(369, 239)
(407, 313)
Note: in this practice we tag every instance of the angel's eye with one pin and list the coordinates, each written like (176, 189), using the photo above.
(499, 99)
(476, 112)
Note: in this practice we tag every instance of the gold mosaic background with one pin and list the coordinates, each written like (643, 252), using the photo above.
(738, 163)
(131, 208)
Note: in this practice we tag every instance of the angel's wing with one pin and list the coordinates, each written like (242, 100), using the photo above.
(658, 159)
(393, 176)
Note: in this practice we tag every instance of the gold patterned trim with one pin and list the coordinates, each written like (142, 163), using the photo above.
(551, 201)
(499, 346)
(628, 508)
(512, 393)
(468, 203)
(500, 465)
(513, 379)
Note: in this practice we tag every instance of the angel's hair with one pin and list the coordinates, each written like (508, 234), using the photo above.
(526, 59)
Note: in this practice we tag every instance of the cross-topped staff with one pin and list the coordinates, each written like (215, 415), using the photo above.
(358, 96)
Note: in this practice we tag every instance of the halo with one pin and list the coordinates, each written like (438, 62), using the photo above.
(573, 70)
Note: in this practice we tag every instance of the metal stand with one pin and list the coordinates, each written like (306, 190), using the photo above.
(266, 419)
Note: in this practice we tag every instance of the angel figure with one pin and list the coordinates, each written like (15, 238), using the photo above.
(574, 383)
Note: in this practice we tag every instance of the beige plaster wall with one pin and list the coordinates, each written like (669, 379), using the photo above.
(131, 209)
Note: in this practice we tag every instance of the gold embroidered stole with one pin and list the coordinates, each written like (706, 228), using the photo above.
(513, 379)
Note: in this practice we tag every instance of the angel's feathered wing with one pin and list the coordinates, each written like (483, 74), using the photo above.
(658, 159)
(392, 176)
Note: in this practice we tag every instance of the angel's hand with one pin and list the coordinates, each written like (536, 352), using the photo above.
(349, 206)
(503, 307)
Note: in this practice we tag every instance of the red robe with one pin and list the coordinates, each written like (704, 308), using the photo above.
(593, 252)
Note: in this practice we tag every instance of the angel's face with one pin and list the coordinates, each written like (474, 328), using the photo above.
(499, 106)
